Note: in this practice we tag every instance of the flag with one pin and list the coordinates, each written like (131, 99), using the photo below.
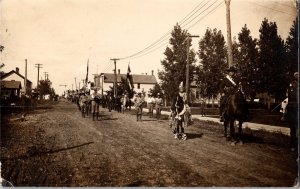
(87, 72)
(129, 77)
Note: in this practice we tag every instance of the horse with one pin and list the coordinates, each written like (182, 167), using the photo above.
(236, 108)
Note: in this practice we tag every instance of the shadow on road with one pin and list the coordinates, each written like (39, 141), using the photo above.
(194, 135)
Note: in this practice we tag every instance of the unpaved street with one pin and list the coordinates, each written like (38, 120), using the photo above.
(57, 147)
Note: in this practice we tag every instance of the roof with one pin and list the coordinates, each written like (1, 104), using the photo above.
(11, 72)
(10, 84)
(142, 79)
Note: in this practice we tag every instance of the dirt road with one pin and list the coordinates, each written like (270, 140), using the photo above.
(57, 147)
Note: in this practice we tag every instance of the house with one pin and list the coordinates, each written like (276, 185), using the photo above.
(15, 75)
(10, 89)
(142, 83)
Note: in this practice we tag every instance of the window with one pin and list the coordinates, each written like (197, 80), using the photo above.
(138, 85)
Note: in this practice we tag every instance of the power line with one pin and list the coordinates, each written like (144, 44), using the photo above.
(271, 8)
(163, 38)
(193, 13)
(221, 3)
(200, 13)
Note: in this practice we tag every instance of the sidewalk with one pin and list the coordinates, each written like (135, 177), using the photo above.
(252, 126)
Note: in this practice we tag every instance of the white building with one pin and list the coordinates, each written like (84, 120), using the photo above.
(142, 83)
(14, 75)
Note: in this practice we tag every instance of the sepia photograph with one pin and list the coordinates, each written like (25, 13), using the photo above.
(149, 93)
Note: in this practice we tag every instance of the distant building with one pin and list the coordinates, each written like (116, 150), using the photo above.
(14, 75)
(10, 89)
(142, 83)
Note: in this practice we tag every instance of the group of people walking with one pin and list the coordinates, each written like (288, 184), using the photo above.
(151, 103)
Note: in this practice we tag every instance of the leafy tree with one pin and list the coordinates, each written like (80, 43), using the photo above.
(292, 48)
(44, 88)
(174, 64)
(245, 54)
(122, 87)
(156, 89)
(212, 55)
(271, 67)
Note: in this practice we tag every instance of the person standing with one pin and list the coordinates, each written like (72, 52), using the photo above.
(292, 110)
(202, 107)
(158, 105)
(150, 104)
(138, 103)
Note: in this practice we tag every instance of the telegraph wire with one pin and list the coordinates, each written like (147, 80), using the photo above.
(194, 13)
(272, 9)
(221, 3)
(162, 39)
(200, 13)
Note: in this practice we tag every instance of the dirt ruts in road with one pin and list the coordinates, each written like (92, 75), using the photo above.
(57, 147)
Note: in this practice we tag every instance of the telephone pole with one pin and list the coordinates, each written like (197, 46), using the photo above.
(229, 42)
(45, 75)
(115, 73)
(75, 84)
(187, 78)
(25, 82)
(38, 66)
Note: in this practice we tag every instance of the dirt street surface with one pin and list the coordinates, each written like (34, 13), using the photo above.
(57, 147)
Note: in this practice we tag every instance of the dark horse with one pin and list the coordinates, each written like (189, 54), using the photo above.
(235, 109)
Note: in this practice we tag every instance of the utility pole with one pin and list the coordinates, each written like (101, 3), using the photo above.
(229, 42)
(25, 82)
(75, 85)
(45, 75)
(187, 78)
(38, 66)
(115, 73)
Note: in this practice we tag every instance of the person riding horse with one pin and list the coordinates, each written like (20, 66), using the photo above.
(228, 86)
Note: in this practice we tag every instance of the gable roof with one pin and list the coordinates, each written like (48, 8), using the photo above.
(142, 79)
(12, 72)
(10, 84)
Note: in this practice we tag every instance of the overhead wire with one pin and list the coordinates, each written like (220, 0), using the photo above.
(163, 38)
(272, 9)
(214, 9)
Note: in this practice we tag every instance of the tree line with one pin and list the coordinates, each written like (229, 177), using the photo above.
(266, 64)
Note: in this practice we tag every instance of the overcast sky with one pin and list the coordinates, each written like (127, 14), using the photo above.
(63, 34)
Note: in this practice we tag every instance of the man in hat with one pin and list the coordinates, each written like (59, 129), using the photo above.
(158, 105)
(292, 110)
(150, 104)
(227, 87)
(138, 103)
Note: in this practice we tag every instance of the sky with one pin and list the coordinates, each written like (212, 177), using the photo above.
(63, 35)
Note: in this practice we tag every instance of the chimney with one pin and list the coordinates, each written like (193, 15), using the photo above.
(17, 69)
(118, 71)
(152, 72)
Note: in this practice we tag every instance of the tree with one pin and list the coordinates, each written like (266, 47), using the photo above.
(245, 56)
(174, 64)
(212, 55)
(156, 89)
(271, 67)
(292, 48)
(123, 87)
(44, 88)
